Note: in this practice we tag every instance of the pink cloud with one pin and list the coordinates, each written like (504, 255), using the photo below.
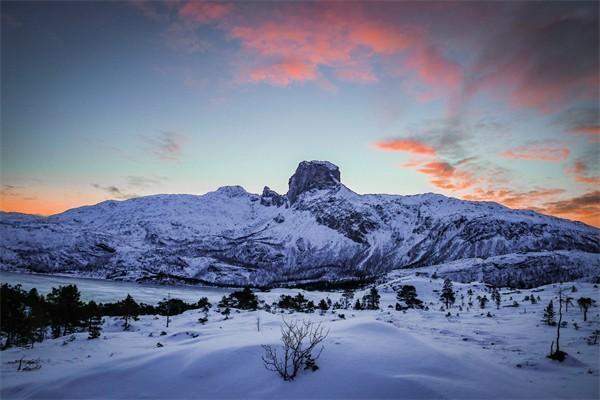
(205, 11)
(284, 73)
(541, 150)
(405, 145)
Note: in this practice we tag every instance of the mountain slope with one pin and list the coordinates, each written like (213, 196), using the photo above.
(319, 231)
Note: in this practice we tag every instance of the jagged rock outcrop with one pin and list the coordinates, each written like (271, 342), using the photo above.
(320, 231)
(313, 175)
(272, 198)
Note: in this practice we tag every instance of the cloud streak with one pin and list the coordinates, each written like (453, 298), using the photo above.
(167, 145)
(538, 150)
(405, 145)
(115, 192)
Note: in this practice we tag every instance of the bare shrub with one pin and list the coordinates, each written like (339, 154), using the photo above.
(299, 339)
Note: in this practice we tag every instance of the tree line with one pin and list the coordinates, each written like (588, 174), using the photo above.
(29, 317)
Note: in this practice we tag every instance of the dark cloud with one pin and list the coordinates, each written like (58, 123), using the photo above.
(115, 192)
(10, 190)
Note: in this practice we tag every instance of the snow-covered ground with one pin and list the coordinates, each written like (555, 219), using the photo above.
(369, 354)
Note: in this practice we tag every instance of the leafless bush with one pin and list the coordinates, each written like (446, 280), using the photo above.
(299, 339)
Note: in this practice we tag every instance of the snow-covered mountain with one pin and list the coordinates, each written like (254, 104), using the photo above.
(319, 231)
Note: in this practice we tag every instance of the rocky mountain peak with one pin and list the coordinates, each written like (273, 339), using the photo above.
(313, 175)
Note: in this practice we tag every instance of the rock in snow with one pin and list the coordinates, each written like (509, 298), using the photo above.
(319, 231)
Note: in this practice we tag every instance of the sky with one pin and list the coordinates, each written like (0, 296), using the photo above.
(491, 101)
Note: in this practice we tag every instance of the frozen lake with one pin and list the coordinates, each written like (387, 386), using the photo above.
(104, 291)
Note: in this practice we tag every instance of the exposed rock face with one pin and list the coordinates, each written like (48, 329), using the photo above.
(271, 198)
(313, 175)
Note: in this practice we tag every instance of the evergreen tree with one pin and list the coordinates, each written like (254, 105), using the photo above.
(549, 314)
(357, 305)
(39, 317)
(66, 309)
(408, 294)
(347, 297)
(94, 320)
(323, 306)
(371, 300)
(447, 295)
(203, 304)
(129, 310)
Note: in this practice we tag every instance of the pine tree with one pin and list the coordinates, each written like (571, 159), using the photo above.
(371, 300)
(323, 306)
(357, 305)
(549, 314)
(447, 295)
(347, 297)
(94, 323)
(408, 294)
(129, 309)
(66, 309)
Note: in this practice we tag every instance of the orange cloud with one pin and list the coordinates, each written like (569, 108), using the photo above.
(515, 199)
(585, 207)
(204, 12)
(405, 145)
(580, 172)
(446, 176)
(543, 151)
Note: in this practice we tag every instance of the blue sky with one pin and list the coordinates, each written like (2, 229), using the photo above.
(490, 101)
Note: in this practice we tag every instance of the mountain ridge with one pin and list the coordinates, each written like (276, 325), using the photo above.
(320, 231)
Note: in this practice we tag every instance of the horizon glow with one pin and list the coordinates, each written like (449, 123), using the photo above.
(479, 101)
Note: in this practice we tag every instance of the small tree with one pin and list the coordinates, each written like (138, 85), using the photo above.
(226, 312)
(496, 297)
(568, 302)
(323, 306)
(94, 320)
(408, 294)
(482, 301)
(357, 305)
(130, 310)
(584, 304)
(557, 354)
(299, 340)
(549, 314)
(371, 300)
(447, 295)
(347, 297)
